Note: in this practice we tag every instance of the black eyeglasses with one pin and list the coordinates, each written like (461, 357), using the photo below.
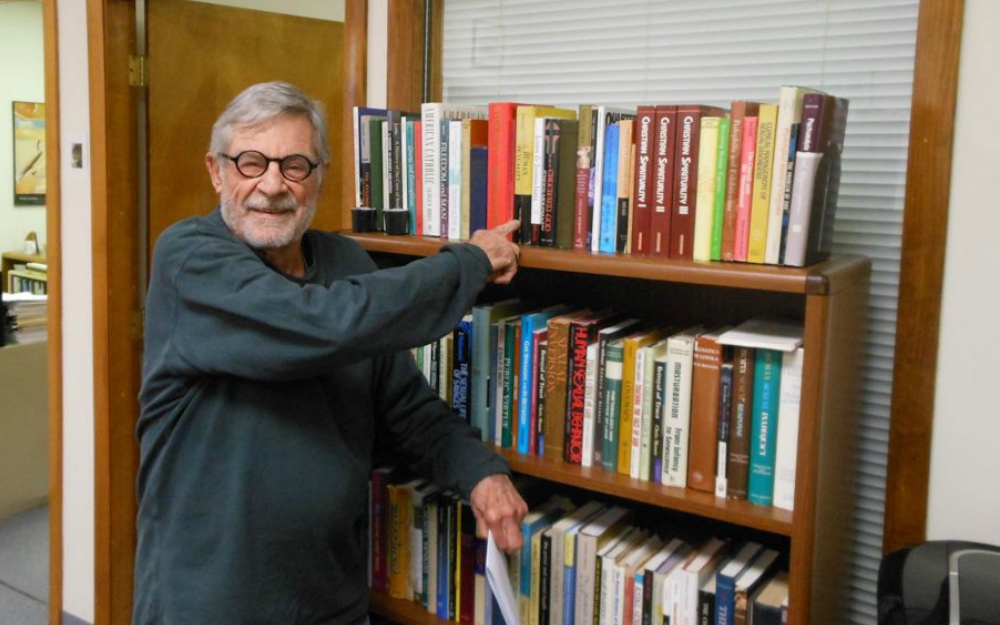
(253, 164)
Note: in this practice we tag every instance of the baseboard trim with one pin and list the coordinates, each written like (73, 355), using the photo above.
(69, 619)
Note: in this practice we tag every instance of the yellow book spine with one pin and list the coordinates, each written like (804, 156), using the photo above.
(398, 539)
(760, 207)
(704, 209)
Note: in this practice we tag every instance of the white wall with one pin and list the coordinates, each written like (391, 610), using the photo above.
(319, 9)
(964, 501)
(22, 78)
(77, 318)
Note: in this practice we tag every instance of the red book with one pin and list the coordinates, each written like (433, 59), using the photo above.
(418, 163)
(500, 156)
(582, 333)
(741, 109)
(745, 199)
(686, 176)
(642, 178)
(380, 527)
(664, 140)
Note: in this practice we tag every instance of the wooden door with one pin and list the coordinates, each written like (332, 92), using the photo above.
(200, 56)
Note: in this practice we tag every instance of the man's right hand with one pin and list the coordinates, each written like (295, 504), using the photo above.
(502, 253)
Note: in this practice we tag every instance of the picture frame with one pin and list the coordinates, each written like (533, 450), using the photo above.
(28, 120)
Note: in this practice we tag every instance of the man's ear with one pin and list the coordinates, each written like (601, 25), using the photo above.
(214, 171)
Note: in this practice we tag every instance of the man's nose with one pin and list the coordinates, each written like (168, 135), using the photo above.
(272, 182)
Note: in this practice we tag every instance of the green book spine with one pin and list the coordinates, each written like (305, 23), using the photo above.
(377, 166)
(613, 364)
(719, 211)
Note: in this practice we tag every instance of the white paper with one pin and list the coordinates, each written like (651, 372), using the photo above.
(499, 580)
(765, 333)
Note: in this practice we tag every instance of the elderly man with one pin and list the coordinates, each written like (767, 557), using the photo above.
(276, 362)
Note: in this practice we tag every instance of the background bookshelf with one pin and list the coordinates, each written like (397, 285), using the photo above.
(10, 260)
(830, 298)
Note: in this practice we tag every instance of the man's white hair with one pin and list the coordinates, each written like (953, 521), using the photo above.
(264, 102)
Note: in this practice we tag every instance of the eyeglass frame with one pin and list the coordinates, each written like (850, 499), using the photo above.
(268, 160)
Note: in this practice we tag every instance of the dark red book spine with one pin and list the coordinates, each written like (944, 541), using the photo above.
(642, 179)
(662, 192)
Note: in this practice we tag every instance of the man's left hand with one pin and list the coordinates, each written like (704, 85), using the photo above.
(499, 508)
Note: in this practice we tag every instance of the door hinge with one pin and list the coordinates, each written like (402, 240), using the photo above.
(138, 72)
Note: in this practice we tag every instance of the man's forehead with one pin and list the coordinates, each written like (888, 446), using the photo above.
(288, 128)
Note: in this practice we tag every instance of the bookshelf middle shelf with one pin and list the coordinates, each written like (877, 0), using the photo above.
(707, 505)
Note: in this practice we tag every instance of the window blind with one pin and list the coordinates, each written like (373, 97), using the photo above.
(564, 53)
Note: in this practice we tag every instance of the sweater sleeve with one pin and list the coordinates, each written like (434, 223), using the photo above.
(421, 426)
(229, 313)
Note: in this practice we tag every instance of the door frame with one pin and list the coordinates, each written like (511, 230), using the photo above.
(53, 230)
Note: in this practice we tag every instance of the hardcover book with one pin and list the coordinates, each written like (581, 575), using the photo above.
(642, 188)
(741, 109)
(764, 162)
(686, 177)
(706, 385)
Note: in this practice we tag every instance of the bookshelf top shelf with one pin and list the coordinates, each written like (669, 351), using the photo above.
(823, 278)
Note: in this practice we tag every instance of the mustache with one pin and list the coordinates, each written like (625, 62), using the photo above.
(278, 204)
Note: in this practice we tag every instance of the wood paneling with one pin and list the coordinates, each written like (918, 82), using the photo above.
(928, 184)
(405, 55)
(200, 56)
(355, 94)
(53, 228)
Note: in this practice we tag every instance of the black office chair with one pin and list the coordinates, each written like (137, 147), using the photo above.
(947, 582)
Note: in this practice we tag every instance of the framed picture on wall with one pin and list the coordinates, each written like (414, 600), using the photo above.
(29, 153)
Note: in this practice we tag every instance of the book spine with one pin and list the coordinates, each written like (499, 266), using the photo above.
(418, 164)
(643, 179)
(708, 150)
(502, 131)
(662, 194)
(677, 419)
(767, 381)
(738, 462)
(355, 113)
(763, 164)
(626, 161)
(444, 149)
(410, 169)
(466, 571)
(396, 158)
(589, 405)
(537, 181)
(725, 411)
(789, 185)
(627, 408)
(614, 357)
(509, 378)
(397, 542)
(789, 114)
(539, 347)
(788, 429)
(576, 387)
(557, 371)
(380, 516)
(478, 190)
(643, 414)
(736, 121)
(659, 395)
(430, 117)
(721, 179)
(461, 400)
(582, 198)
(685, 183)
(544, 577)
(565, 185)
(704, 413)
(550, 171)
(609, 191)
(745, 197)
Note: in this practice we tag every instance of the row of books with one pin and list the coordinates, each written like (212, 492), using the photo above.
(712, 409)
(23, 318)
(29, 278)
(757, 183)
(595, 564)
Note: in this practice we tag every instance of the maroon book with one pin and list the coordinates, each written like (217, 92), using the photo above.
(686, 176)
(642, 179)
(664, 139)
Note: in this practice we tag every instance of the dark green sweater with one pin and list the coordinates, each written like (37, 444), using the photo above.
(263, 400)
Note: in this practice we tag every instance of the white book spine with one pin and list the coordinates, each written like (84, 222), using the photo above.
(677, 411)
(455, 180)
(386, 166)
(799, 213)
(637, 590)
(789, 112)
(556, 558)
(586, 552)
(430, 117)
(499, 384)
(705, 197)
(638, 389)
(788, 429)
(357, 156)
(589, 406)
(404, 164)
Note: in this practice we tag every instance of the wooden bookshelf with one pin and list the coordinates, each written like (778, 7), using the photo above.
(10, 259)
(831, 300)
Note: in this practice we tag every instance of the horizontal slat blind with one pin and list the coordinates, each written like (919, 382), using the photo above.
(629, 52)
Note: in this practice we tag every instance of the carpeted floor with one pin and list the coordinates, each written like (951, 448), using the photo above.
(24, 568)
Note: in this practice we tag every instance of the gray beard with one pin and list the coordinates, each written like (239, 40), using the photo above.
(268, 239)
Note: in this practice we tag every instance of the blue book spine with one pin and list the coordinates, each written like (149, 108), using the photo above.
(609, 192)
(461, 370)
(443, 558)
(569, 591)
(477, 189)
(491, 384)
(725, 590)
(529, 323)
(411, 175)
(764, 426)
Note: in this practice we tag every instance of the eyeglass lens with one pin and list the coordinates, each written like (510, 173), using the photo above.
(294, 167)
